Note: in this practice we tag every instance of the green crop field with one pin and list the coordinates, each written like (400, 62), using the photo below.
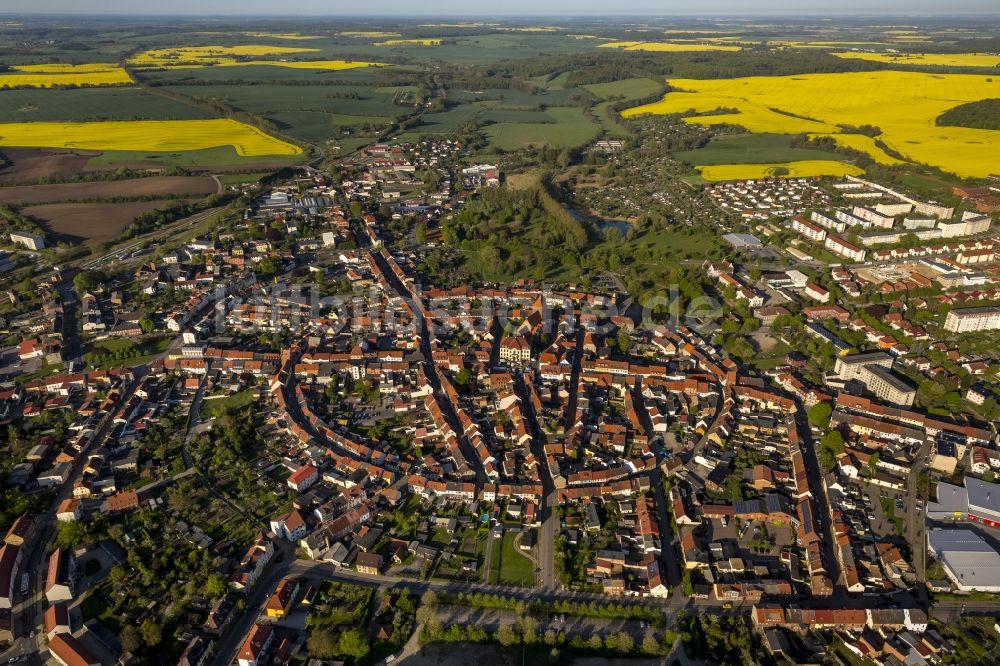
(568, 128)
(195, 159)
(626, 89)
(753, 149)
(309, 113)
(92, 104)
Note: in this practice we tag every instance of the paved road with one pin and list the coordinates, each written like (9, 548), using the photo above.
(814, 473)
(548, 515)
(915, 525)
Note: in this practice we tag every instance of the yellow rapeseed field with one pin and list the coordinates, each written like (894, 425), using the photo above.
(904, 105)
(373, 34)
(146, 135)
(666, 46)
(59, 74)
(801, 169)
(929, 59)
(863, 144)
(429, 41)
(312, 64)
(291, 36)
(192, 57)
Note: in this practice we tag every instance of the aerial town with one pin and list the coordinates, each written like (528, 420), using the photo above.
(533, 405)
(314, 418)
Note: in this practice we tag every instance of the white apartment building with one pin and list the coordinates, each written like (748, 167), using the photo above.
(973, 319)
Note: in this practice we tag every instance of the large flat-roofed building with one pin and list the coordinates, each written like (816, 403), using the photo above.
(977, 501)
(850, 367)
(973, 319)
(970, 224)
(968, 560)
(886, 385)
(30, 241)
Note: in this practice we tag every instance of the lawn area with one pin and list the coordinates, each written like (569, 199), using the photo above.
(216, 407)
(94, 607)
(753, 149)
(124, 352)
(508, 565)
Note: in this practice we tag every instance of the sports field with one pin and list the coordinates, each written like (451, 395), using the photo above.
(927, 59)
(54, 74)
(147, 135)
(903, 105)
(804, 169)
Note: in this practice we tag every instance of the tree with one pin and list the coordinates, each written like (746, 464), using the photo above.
(322, 644)
(831, 446)
(624, 341)
(89, 280)
(506, 635)
(463, 377)
(595, 642)
(215, 586)
(650, 645)
(146, 324)
(151, 631)
(354, 643)
(71, 534)
(819, 415)
(131, 638)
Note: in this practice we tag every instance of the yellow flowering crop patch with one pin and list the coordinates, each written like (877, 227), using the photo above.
(291, 36)
(373, 34)
(801, 169)
(904, 105)
(928, 59)
(666, 46)
(146, 135)
(58, 74)
(430, 41)
(192, 57)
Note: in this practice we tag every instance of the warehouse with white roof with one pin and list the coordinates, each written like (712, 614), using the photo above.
(970, 562)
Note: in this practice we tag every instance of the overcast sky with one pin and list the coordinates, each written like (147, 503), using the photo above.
(399, 8)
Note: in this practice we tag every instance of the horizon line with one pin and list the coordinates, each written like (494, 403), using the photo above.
(495, 16)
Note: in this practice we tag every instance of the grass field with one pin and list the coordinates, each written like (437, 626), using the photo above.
(215, 407)
(92, 104)
(310, 113)
(620, 91)
(750, 149)
(50, 75)
(569, 128)
(508, 566)
(803, 169)
(904, 105)
(985, 60)
(625, 89)
(667, 47)
(147, 135)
